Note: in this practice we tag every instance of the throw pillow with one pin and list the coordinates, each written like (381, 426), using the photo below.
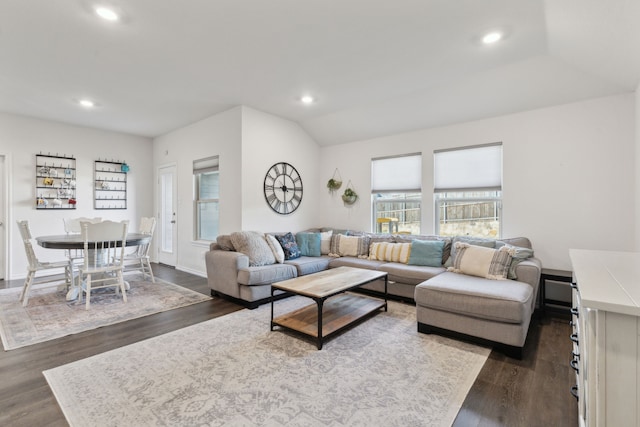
(392, 252)
(289, 246)
(427, 253)
(308, 243)
(356, 246)
(254, 245)
(482, 262)
(278, 253)
(475, 241)
(325, 242)
(224, 241)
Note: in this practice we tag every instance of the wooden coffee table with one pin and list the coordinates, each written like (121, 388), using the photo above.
(342, 309)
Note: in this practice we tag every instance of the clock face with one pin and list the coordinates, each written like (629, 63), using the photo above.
(283, 188)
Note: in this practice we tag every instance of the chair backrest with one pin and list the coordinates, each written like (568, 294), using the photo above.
(72, 225)
(25, 233)
(106, 240)
(147, 225)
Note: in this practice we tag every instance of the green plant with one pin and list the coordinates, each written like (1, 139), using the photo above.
(333, 184)
(350, 193)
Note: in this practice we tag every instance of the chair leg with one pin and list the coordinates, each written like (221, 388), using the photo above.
(24, 295)
(122, 288)
(87, 292)
(153, 279)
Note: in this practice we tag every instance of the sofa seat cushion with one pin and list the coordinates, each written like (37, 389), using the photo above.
(506, 301)
(309, 265)
(410, 274)
(266, 274)
(355, 262)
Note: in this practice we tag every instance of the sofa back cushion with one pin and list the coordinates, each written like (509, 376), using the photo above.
(254, 245)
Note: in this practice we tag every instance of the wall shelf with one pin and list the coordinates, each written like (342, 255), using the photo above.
(55, 182)
(110, 185)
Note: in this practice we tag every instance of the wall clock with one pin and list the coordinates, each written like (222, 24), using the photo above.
(283, 188)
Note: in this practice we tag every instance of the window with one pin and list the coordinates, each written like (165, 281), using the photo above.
(206, 198)
(396, 187)
(468, 191)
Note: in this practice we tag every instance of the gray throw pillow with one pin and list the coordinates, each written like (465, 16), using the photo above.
(254, 245)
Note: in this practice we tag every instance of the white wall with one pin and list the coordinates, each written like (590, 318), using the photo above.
(218, 135)
(21, 138)
(248, 143)
(569, 174)
(266, 140)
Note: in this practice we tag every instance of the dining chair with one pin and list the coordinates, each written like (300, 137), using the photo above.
(72, 226)
(104, 244)
(138, 260)
(35, 266)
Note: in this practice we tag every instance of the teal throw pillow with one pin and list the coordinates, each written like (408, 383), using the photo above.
(426, 252)
(289, 246)
(309, 243)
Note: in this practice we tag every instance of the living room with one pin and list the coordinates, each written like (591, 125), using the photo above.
(570, 161)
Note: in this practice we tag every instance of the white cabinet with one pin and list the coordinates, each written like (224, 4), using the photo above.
(606, 332)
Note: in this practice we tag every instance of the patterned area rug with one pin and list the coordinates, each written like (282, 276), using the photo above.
(49, 316)
(233, 371)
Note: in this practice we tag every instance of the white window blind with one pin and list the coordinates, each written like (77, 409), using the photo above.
(401, 174)
(210, 164)
(477, 168)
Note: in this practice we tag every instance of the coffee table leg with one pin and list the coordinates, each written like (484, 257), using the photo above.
(272, 309)
(386, 281)
(320, 303)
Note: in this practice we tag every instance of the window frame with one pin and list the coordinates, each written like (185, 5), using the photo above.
(201, 167)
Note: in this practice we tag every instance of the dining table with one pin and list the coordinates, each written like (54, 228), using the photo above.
(70, 242)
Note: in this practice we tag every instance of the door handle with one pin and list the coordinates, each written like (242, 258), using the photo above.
(173, 221)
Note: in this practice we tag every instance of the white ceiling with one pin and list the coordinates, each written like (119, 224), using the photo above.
(377, 67)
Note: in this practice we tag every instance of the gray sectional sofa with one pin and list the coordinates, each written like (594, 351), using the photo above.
(493, 312)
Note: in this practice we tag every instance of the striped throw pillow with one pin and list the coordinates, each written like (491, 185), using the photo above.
(482, 262)
(393, 252)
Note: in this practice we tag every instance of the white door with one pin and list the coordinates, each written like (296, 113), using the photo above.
(3, 204)
(167, 218)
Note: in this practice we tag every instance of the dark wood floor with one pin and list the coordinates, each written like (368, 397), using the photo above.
(529, 392)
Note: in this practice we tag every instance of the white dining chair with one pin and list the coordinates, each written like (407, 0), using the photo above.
(36, 266)
(102, 266)
(138, 260)
(72, 226)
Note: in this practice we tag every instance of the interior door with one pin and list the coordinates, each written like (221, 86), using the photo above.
(167, 218)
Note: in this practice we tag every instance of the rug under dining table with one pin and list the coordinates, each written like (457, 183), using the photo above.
(49, 315)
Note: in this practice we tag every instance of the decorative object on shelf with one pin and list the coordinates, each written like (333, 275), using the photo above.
(335, 182)
(349, 197)
(55, 181)
(124, 167)
(283, 188)
(110, 184)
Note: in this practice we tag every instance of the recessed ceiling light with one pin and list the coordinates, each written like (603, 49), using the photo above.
(307, 99)
(491, 37)
(87, 103)
(106, 13)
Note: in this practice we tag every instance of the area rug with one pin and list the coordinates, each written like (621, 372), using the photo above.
(234, 371)
(49, 316)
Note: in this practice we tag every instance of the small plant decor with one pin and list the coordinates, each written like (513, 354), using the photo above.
(349, 196)
(335, 182)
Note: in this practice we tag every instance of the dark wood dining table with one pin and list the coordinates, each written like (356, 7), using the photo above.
(75, 241)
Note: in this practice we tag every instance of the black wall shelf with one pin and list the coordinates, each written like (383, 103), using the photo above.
(110, 185)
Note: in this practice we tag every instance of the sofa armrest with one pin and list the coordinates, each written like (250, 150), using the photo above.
(222, 271)
(528, 271)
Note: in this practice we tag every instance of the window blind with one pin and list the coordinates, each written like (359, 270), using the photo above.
(476, 168)
(399, 174)
(210, 164)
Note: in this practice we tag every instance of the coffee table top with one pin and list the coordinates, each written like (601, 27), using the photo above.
(329, 282)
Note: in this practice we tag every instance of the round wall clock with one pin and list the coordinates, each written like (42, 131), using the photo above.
(283, 188)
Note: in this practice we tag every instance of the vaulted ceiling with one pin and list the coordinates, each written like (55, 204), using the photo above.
(374, 67)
